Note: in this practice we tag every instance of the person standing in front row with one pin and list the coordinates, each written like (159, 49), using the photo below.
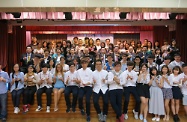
(85, 78)
(4, 79)
(128, 80)
(116, 91)
(100, 88)
(143, 91)
(72, 86)
(175, 78)
(156, 101)
(45, 85)
(166, 89)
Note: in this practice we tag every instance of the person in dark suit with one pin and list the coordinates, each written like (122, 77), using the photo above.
(116, 54)
(25, 58)
(46, 58)
(143, 55)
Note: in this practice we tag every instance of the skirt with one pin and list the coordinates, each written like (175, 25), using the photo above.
(184, 100)
(177, 94)
(167, 93)
(143, 90)
(156, 101)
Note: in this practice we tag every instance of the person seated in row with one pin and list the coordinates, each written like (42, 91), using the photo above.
(30, 82)
(17, 86)
(45, 86)
(72, 86)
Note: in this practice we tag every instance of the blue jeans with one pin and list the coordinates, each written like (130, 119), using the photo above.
(3, 104)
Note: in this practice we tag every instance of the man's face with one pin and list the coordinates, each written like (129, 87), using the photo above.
(177, 58)
(28, 50)
(46, 53)
(98, 65)
(184, 69)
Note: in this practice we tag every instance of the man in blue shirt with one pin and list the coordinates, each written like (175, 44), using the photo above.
(4, 79)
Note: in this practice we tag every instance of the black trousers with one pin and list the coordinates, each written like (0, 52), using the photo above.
(68, 90)
(28, 93)
(48, 92)
(105, 102)
(87, 90)
(16, 94)
(127, 91)
(116, 101)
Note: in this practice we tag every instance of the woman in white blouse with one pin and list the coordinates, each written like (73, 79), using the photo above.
(143, 90)
(175, 78)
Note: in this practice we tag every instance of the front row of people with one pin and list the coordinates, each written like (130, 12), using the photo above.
(152, 92)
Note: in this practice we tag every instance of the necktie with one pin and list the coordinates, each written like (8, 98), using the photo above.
(28, 58)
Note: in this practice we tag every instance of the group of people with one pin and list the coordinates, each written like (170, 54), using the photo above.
(153, 74)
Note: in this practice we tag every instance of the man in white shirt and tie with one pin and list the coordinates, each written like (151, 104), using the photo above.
(100, 88)
(128, 80)
(85, 79)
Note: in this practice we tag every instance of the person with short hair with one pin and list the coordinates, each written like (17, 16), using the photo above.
(85, 79)
(110, 64)
(100, 88)
(17, 86)
(176, 62)
(4, 79)
(124, 62)
(45, 86)
(116, 91)
(72, 86)
(129, 87)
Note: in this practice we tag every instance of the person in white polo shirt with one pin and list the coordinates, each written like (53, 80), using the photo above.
(116, 91)
(129, 78)
(100, 88)
(85, 79)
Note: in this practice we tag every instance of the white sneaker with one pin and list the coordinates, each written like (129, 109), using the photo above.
(135, 114)
(158, 119)
(48, 109)
(141, 116)
(154, 119)
(144, 120)
(126, 116)
(39, 108)
(16, 110)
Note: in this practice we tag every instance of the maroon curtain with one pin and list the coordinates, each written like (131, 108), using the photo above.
(17, 45)
(3, 43)
(160, 33)
(181, 38)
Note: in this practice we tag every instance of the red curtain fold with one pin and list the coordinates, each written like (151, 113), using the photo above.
(17, 45)
(181, 38)
(160, 33)
(3, 43)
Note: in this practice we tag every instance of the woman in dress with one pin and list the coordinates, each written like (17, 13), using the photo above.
(58, 79)
(143, 90)
(166, 89)
(156, 101)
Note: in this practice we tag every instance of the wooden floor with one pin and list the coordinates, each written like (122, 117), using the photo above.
(111, 119)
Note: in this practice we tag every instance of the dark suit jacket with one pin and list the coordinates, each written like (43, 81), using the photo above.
(48, 59)
(143, 56)
(24, 61)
